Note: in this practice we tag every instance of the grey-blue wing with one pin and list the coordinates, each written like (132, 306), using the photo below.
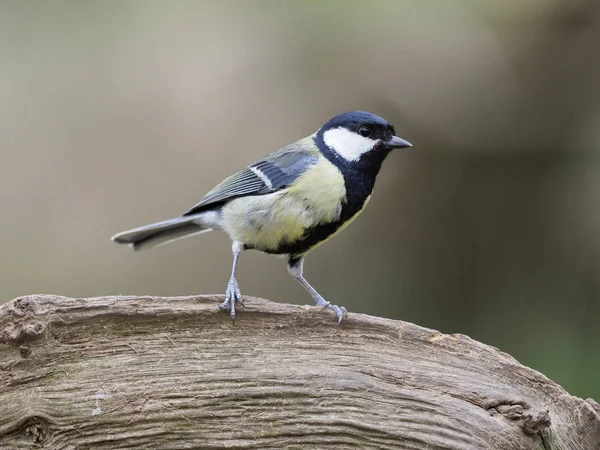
(270, 174)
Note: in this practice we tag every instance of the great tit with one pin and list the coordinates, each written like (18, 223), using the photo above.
(289, 202)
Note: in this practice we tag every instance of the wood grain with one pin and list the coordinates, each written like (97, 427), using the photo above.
(175, 373)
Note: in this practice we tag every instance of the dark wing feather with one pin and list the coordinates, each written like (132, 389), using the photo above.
(272, 173)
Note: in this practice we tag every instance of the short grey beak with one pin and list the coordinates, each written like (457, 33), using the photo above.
(396, 142)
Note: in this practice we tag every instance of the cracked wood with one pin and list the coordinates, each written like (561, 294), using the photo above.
(174, 373)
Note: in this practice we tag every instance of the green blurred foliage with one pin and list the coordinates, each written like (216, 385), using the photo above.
(116, 114)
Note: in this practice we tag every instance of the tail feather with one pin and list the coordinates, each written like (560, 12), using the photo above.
(160, 233)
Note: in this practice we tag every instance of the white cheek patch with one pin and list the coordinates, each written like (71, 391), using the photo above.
(350, 146)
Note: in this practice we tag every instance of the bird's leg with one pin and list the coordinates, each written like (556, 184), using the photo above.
(233, 293)
(295, 268)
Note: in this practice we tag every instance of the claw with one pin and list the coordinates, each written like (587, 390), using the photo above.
(323, 303)
(232, 296)
(340, 312)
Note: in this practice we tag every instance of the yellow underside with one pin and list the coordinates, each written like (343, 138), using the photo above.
(266, 221)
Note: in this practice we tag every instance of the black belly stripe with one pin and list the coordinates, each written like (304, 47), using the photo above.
(311, 237)
(359, 179)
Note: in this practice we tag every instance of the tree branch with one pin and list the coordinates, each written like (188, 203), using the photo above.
(175, 373)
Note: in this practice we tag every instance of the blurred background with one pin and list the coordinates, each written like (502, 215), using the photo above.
(115, 114)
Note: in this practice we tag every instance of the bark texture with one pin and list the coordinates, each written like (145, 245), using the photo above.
(175, 373)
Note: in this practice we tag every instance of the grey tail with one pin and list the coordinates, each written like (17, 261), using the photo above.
(159, 233)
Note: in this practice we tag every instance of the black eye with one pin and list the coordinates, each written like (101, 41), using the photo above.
(364, 131)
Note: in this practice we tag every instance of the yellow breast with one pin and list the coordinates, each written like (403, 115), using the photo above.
(322, 189)
(267, 221)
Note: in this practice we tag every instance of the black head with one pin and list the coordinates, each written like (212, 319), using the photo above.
(357, 136)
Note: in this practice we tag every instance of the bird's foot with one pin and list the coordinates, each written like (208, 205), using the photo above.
(232, 296)
(340, 311)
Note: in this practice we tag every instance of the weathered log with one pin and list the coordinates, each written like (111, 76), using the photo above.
(175, 373)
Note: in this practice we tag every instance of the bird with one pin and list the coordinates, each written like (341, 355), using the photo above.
(290, 202)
